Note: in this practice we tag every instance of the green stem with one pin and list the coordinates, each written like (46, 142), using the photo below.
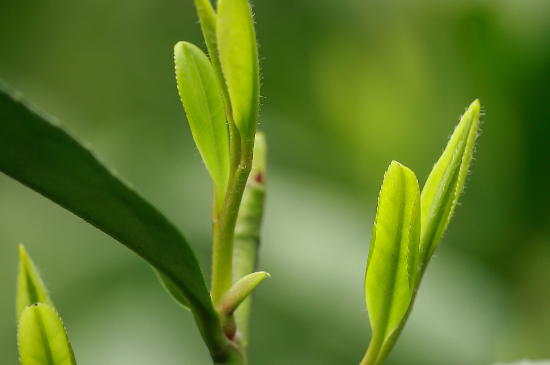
(224, 226)
(221, 349)
(231, 358)
(247, 237)
(373, 351)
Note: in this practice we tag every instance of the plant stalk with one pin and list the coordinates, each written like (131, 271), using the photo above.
(247, 237)
(373, 351)
(241, 155)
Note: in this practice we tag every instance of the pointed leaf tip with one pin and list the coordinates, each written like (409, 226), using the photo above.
(391, 267)
(240, 290)
(446, 181)
(234, 297)
(30, 288)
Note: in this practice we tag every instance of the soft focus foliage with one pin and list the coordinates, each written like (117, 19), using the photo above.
(348, 86)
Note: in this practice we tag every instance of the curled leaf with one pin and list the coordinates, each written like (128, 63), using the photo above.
(446, 180)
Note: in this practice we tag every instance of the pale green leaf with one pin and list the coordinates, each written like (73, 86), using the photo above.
(39, 153)
(446, 180)
(240, 290)
(239, 61)
(207, 18)
(42, 337)
(391, 272)
(414, 243)
(234, 297)
(200, 94)
(30, 288)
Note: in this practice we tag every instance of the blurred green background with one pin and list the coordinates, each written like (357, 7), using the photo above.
(348, 85)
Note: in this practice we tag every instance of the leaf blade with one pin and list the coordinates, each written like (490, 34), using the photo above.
(446, 180)
(30, 287)
(240, 291)
(239, 62)
(236, 296)
(172, 289)
(199, 90)
(42, 337)
(388, 282)
(40, 154)
(207, 18)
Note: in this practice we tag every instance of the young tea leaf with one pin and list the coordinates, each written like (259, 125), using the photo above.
(239, 61)
(30, 288)
(200, 94)
(234, 297)
(392, 262)
(445, 182)
(42, 337)
(207, 18)
(240, 291)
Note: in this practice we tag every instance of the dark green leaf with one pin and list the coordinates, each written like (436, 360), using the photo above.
(39, 153)
(172, 289)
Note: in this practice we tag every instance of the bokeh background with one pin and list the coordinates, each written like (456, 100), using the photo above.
(347, 86)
